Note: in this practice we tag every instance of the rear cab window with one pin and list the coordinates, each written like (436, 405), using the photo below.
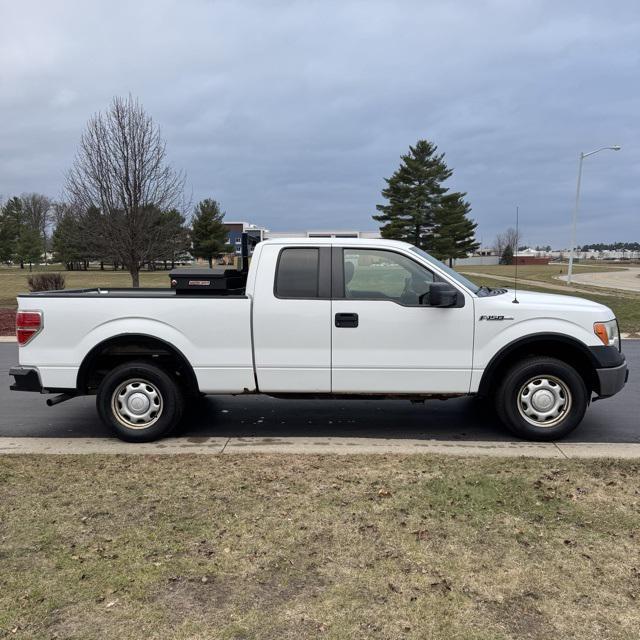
(298, 273)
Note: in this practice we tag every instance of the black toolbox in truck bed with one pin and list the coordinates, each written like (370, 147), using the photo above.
(218, 281)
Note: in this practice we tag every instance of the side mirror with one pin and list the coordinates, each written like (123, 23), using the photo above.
(442, 294)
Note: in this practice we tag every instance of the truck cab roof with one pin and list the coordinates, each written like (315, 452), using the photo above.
(369, 242)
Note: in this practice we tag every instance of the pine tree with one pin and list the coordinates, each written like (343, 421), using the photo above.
(454, 231)
(507, 255)
(96, 247)
(177, 236)
(10, 224)
(209, 234)
(414, 193)
(68, 245)
(7, 236)
(38, 210)
(29, 245)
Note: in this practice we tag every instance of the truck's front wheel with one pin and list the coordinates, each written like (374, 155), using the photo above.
(541, 398)
(139, 402)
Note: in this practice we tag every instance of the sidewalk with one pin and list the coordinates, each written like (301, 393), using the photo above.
(628, 280)
(320, 445)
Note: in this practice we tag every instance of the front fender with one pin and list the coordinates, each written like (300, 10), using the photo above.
(491, 339)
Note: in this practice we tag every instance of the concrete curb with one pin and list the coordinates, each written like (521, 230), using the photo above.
(316, 446)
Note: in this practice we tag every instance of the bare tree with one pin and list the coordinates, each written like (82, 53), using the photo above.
(60, 210)
(507, 239)
(37, 215)
(121, 170)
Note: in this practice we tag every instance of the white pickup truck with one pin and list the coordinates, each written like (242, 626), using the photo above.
(320, 318)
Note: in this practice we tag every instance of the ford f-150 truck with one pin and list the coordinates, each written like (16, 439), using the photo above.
(320, 317)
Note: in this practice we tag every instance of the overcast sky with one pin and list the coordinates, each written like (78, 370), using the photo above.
(292, 113)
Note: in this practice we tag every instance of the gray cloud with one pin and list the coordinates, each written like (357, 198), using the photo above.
(292, 113)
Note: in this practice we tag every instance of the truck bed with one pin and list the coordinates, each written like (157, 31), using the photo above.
(98, 292)
(212, 332)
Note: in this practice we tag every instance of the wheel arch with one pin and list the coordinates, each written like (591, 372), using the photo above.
(555, 345)
(133, 346)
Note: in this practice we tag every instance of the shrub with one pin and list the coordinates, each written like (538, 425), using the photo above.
(46, 282)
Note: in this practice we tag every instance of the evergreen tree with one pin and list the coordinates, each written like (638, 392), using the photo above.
(68, 246)
(507, 255)
(93, 245)
(209, 234)
(414, 193)
(7, 240)
(7, 236)
(29, 246)
(177, 236)
(11, 222)
(37, 214)
(454, 231)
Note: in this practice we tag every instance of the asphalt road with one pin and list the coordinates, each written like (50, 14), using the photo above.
(615, 420)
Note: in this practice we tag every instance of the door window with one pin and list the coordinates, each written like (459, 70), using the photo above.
(373, 274)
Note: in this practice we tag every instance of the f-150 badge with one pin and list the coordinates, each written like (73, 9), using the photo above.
(496, 317)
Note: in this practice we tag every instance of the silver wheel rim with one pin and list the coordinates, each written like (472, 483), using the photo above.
(544, 401)
(137, 404)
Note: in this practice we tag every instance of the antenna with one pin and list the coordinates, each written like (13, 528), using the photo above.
(515, 257)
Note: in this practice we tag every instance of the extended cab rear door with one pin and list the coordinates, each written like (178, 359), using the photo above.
(383, 339)
(292, 319)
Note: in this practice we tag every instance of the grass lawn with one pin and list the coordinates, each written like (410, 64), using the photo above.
(301, 547)
(541, 272)
(14, 281)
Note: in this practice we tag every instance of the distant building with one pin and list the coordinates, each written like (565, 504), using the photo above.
(236, 229)
(530, 256)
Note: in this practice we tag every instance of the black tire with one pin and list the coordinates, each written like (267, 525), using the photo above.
(139, 386)
(552, 381)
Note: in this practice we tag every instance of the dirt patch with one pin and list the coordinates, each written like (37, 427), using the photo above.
(521, 617)
(7, 322)
(187, 597)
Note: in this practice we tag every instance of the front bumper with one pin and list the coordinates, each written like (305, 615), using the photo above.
(612, 379)
(25, 379)
(611, 370)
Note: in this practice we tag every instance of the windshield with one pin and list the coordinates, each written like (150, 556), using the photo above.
(454, 274)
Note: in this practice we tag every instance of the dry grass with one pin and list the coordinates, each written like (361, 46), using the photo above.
(14, 281)
(318, 547)
(539, 272)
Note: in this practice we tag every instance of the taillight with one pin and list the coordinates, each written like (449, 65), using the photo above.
(28, 326)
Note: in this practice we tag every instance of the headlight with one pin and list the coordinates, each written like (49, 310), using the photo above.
(608, 333)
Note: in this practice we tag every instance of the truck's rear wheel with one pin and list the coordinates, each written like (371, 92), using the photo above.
(542, 398)
(139, 402)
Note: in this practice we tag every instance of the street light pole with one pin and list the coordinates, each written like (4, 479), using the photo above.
(615, 147)
(575, 220)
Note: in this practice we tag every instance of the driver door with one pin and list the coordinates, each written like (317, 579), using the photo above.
(385, 336)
